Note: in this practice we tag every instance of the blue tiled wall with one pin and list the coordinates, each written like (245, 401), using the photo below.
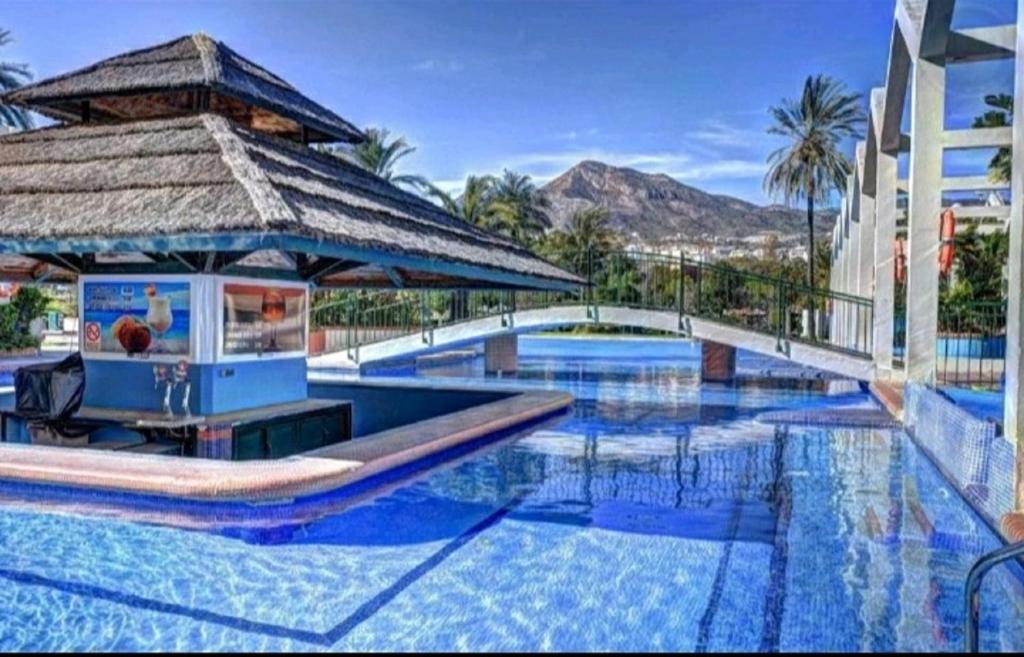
(978, 461)
(379, 407)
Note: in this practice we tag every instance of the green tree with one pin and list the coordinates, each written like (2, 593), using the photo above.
(518, 210)
(16, 316)
(811, 166)
(1001, 115)
(588, 233)
(12, 76)
(380, 155)
(979, 261)
(473, 205)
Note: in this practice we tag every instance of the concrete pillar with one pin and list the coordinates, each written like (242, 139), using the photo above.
(1013, 420)
(501, 354)
(927, 108)
(844, 276)
(717, 362)
(885, 263)
(866, 270)
(835, 286)
(852, 270)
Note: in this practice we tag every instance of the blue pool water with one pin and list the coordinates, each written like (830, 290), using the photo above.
(656, 515)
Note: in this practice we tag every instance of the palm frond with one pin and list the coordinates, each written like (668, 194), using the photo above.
(13, 76)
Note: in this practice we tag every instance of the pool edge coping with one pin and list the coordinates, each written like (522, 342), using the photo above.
(284, 479)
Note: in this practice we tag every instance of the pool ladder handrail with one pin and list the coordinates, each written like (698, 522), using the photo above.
(972, 590)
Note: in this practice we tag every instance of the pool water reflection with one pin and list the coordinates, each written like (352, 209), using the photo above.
(658, 515)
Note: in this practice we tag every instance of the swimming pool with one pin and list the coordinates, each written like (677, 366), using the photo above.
(658, 515)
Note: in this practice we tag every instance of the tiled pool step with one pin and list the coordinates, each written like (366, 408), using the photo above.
(834, 417)
(890, 395)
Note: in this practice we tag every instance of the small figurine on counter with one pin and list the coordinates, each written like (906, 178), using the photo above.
(162, 374)
(181, 378)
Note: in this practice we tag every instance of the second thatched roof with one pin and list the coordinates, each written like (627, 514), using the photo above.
(174, 78)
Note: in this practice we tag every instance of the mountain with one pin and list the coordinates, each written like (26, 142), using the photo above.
(656, 207)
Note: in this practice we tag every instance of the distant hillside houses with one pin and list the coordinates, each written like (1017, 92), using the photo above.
(715, 248)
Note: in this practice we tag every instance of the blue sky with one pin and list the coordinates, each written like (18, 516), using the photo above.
(678, 87)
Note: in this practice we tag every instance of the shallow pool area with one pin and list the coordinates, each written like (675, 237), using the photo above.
(658, 514)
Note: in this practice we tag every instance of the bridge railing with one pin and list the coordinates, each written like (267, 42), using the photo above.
(715, 291)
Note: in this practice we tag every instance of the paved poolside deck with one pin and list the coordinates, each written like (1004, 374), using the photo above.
(284, 479)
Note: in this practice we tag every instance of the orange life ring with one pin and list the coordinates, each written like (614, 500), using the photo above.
(947, 234)
(901, 263)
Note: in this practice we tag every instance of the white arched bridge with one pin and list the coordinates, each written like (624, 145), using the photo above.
(669, 294)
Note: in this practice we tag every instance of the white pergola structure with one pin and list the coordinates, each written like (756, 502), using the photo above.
(923, 46)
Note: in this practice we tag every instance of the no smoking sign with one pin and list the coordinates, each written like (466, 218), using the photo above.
(93, 335)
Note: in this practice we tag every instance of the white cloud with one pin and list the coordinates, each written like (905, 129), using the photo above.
(573, 135)
(439, 66)
(722, 169)
(719, 133)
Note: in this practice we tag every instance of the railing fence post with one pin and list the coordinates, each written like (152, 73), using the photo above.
(700, 286)
(681, 287)
(782, 314)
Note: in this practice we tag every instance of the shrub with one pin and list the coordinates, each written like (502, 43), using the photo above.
(15, 317)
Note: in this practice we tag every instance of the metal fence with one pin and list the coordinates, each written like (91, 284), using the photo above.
(715, 291)
(970, 347)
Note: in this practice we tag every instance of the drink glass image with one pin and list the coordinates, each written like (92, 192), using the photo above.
(159, 318)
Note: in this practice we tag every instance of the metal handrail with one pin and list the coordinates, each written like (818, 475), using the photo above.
(972, 590)
(619, 278)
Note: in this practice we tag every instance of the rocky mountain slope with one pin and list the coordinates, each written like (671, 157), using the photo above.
(657, 207)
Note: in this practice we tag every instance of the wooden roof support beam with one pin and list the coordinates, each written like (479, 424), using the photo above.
(394, 276)
(40, 272)
(185, 260)
(157, 257)
(68, 261)
(324, 266)
(225, 259)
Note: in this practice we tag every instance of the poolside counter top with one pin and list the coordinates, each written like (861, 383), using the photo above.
(158, 420)
(284, 479)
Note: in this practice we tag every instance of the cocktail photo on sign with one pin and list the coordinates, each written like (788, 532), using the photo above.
(136, 318)
(264, 319)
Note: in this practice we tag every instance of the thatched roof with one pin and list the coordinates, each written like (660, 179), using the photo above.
(205, 183)
(175, 78)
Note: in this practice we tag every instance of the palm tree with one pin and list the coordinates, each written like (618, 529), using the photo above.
(474, 204)
(518, 209)
(12, 76)
(811, 166)
(999, 116)
(588, 232)
(380, 154)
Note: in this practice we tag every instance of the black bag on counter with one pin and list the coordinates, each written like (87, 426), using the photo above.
(50, 392)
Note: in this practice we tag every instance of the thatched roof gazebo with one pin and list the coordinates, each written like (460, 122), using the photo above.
(187, 158)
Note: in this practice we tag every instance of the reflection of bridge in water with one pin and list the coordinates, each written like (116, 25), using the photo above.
(702, 482)
(708, 302)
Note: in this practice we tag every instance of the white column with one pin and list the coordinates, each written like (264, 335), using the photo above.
(833, 282)
(1013, 420)
(925, 191)
(866, 269)
(853, 273)
(885, 263)
(840, 276)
